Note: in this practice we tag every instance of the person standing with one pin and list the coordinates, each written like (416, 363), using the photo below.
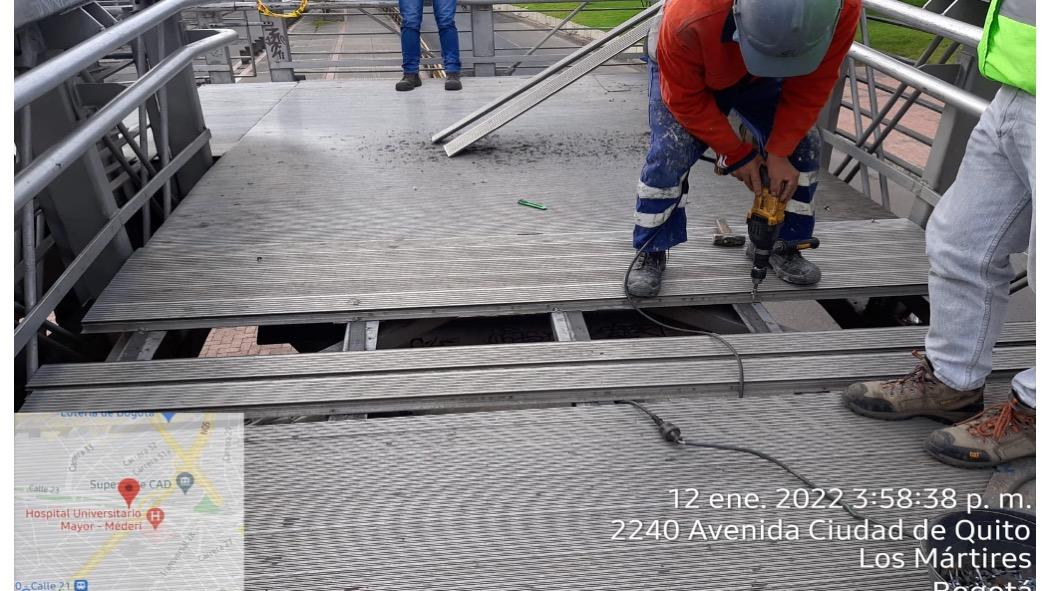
(987, 214)
(411, 22)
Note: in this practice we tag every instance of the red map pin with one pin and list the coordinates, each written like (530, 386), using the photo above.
(129, 489)
(155, 515)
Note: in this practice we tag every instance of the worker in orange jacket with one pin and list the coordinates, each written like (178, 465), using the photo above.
(774, 64)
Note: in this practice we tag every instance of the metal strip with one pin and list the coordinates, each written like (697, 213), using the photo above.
(517, 102)
(291, 366)
(536, 79)
(786, 373)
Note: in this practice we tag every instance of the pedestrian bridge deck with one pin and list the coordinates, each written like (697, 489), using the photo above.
(528, 499)
(335, 206)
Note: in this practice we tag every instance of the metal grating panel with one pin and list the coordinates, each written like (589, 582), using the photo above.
(526, 499)
(169, 288)
(302, 220)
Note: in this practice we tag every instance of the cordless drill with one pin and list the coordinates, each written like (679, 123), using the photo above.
(764, 220)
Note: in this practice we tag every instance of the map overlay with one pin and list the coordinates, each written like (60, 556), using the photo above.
(134, 500)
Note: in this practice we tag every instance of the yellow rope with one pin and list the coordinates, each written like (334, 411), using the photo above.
(265, 10)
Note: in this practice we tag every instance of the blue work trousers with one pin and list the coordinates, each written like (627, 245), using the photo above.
(412, 21)
(660, 206)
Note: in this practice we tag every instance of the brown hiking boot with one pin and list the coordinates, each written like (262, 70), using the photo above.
(918, 394)
(999, 434)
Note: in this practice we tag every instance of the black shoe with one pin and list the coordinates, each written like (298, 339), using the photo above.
(645, 276)
(453, 82)
(791, 266)
(408, 82)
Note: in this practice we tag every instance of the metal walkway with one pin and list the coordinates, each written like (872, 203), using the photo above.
(335, 206)
(527, 499)
(498, 375)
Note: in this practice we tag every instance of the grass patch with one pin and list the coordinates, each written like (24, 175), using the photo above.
(887, 38)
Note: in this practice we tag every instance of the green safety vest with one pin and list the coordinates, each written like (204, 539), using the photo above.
(1007, 49)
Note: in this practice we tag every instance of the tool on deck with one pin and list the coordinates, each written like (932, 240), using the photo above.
(764, 220)
(726, 236)
(531, 204)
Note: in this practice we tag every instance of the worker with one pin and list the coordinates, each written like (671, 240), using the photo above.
(774, 64)
(987, 214)
(448, 36)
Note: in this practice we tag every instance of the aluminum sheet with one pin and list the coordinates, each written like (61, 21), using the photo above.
(304, 217)
(526, 499)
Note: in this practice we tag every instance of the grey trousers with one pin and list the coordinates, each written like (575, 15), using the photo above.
(987, 214)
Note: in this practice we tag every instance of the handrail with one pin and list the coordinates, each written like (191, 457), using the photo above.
(915, 77)
(929, 21)
(48, 75)
(35, 177)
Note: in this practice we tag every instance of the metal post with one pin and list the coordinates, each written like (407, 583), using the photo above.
(29, 279)
(162, 106)
(220, 68)
(857, 123)
(884, 193)
(143, 151)
(278, 50)
(829, 116)
(483, 39)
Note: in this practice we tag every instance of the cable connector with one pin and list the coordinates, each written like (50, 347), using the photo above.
(670, 431)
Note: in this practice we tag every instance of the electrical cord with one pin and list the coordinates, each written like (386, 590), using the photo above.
(673, 434)
(634, 304)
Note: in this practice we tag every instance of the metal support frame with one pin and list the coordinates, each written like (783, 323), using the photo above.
(137, 346)
(360, 336)
(569, 326)
(76, 268)
(757, 318)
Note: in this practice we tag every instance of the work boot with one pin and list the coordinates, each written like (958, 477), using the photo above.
(1000, 434)
(918, 394)
(408, 82)
(453, 82)
(791, 266)
(645, 276)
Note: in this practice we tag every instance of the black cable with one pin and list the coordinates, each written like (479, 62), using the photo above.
(672, 434)
(716, 336)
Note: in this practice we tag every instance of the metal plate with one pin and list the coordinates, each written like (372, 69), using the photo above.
(303, 218)
(527, 499)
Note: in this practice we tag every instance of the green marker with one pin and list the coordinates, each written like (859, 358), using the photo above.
(527, 203)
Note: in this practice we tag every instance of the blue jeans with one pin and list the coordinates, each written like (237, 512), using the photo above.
(660, 207)
(412, 21)
(987, 214)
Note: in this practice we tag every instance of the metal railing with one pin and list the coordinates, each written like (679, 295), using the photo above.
(876, 85)
(289, 48)
(151, 172)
